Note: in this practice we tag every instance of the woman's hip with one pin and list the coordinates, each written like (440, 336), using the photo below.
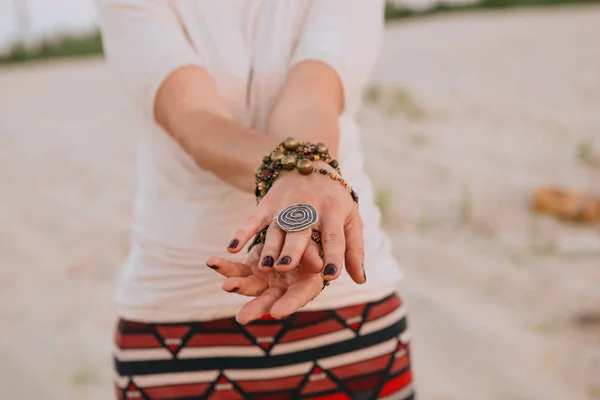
(359, 351)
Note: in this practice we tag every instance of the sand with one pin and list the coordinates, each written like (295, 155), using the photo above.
(482, 109)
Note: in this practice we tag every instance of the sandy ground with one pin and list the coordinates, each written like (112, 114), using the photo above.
(477, 110)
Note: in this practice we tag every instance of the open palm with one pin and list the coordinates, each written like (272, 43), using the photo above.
(278, 294)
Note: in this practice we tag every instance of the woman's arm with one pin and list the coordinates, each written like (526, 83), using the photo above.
(190, 109)
(147, 47)
(310, 105)
(331, 64)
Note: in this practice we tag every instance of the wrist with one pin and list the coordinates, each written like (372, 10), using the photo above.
(304, 157)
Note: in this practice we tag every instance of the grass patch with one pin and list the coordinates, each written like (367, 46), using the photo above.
(84, 377)
(587, 154)
(70, 45)
(395, 12)
(424, 224)
(57, 47)
(395, 101)
(466, 204)
(383, 200)
(419, 140)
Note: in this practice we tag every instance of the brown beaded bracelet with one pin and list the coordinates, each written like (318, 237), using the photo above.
(339, 179)
(289, 155)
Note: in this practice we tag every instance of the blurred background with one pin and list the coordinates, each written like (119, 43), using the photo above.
(479, 116)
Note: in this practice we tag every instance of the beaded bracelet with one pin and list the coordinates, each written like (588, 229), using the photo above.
(289, 155)
(339, 179)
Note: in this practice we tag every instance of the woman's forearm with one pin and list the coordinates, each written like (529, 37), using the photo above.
(312, 124)
(221, 146)
(190, 109)
(310, 106)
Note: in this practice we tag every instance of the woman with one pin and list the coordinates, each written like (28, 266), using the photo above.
(220, 86)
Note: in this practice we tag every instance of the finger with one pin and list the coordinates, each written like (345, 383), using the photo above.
(259, 306)
(253, 257)
(297, 296)
(294, 246)
(334, 246)
(311, 261)
(355, 249)
(271, 249)
(247, 286)
(257, 221)
(228, 268)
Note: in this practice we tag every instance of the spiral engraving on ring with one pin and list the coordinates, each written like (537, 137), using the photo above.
(297, 217)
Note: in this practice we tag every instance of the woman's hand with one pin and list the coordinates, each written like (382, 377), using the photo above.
(339, 223)
(278, 294)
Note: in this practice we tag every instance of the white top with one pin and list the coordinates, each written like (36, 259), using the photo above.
(184, 214)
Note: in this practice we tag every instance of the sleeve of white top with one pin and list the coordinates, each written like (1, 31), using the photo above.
(143, 42)
(346, 35)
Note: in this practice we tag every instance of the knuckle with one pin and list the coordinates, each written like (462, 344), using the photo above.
(330, 203)
(273, 229)
(254, 220)
(359, 251)
(330, 238)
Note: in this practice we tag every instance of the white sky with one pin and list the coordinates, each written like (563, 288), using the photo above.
(48, 16)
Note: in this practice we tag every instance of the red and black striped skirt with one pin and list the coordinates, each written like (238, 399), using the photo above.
(357, 352)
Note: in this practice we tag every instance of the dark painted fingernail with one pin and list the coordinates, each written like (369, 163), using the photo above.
(234, 243)
(268, 261)
(235, 289)
(213, 266)
(330, 269)
(284, 261)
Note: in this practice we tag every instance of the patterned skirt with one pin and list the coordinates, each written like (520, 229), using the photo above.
(357, 352)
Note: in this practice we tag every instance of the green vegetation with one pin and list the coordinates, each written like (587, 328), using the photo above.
(586, 153)
(466, 203)
(60, 46)
(383, 199)
(395, 101)
(393, 12)
(90, 44)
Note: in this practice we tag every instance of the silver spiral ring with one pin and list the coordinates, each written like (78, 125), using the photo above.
(297, 217)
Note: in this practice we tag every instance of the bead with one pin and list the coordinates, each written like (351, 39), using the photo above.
(334, 163)
(261, 185)
(316, 158)
(290, 144)
(321, 148)
(304, 166)
(257, 192)
(288, 163)
(266, 160)
(276, 156)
